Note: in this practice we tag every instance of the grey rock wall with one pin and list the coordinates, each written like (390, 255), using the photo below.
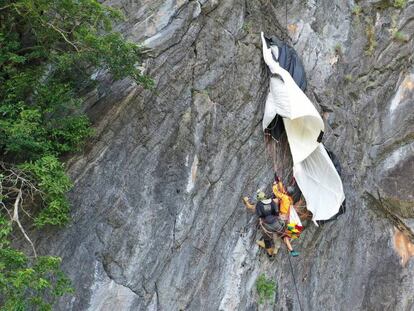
(158, 222)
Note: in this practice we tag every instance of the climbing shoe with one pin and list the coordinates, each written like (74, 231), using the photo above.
(294, 253)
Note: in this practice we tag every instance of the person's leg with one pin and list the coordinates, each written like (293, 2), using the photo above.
(276, 242)
(290, 248)
(270, 251)
(269, 246)
(287, 242)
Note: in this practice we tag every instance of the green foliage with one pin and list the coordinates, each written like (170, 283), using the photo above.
(357, 10)
(247, 26)
(338, 49)
(400, 4)
(266, 288)
(395, 34)
(26, 283)
(53, 183)
(49, 50)
(371, 38)
(348, 78)
(399, 36)
(388, 4)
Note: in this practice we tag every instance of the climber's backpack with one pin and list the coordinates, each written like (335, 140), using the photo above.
(266, 209)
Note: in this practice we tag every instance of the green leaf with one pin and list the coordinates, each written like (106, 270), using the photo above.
(266, 288)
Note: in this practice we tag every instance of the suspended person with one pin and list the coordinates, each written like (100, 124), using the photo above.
(267, 210)
(273, 227)
(292, 227)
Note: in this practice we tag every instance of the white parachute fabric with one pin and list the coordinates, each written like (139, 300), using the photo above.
(302, 137)
(320, 184)
(313, 170)
(302, 121)
(294, 217)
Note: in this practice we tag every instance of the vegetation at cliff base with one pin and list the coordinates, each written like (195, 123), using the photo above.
(266, 288)
(49, 50)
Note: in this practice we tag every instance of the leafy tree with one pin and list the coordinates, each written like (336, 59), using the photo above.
(23, 284)
(48, 52)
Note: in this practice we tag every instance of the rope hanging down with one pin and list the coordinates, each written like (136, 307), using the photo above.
(294, 281)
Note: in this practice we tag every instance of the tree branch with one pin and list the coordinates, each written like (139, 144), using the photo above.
(5, 7)
(16, 185)
(63, 36)
(15, 218)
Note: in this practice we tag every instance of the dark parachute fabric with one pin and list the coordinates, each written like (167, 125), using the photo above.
(276, 127)
(297, 194)
(290, 61)
(335, 161)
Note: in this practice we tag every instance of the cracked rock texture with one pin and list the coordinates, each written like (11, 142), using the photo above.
(158, 222)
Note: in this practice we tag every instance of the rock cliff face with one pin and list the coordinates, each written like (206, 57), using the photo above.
(158, 222)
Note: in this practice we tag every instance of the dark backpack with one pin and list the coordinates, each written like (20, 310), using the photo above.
(263, 210)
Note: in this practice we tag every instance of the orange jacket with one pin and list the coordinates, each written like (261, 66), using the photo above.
(285, 200)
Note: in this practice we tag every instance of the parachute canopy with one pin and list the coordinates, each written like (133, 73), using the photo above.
(313, 170)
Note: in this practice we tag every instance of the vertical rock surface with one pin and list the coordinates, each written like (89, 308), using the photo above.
(158, 222)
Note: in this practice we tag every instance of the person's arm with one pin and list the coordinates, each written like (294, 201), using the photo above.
(281, 187)
(279, 194)
(284, 198)
(248, 205)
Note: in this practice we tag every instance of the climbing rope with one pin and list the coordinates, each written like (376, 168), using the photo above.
(268, 232)
(270, 148)
(294, 281)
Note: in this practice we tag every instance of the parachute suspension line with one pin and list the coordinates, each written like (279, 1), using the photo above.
(284, 159)
(268, 152)
(270, 148)
(268, 155)
(286, 176)
(286, 22)
(294, 281)
(274, 156)
(285, 152)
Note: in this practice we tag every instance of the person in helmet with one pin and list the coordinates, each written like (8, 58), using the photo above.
(273, 216)
(267, 210)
